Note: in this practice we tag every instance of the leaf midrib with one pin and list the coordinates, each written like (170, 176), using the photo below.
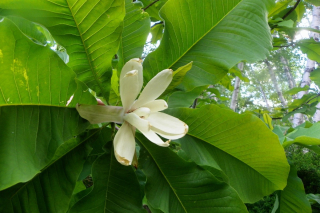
(85, 48)
(164, 176)
(184, 53)
(235, 158)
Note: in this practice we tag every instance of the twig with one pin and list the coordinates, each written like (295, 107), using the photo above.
(292, 9)
(150, 5)
(160, 22)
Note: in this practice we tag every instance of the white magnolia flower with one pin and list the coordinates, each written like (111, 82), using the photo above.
(143, 113)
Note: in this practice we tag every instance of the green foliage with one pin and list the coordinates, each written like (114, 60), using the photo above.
(59, 53)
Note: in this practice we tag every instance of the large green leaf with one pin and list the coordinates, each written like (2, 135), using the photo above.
(215, 35)
(304, 136)
(241, 145)
(311, 48)
(89, 30)
(292, 198)
(30, 137)
(115, 189)
(315, 76)
(50, 191)
(135, 32)
(175, 185)
(32, 74)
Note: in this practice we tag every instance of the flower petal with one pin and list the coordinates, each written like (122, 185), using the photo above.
(168, 136)
(156, 105)
(156, 86)
(124, 144)
(154, 138)
(98, 114)
(142, 112)
(164, 123)
(136, 121)
(133, 64)
(129, 88)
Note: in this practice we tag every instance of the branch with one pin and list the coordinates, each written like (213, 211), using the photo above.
(159, 22)
(292, 9)
(150, 5)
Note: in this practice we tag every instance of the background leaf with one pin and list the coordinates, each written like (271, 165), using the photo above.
(115, 188)
(228, 35)
(293, 197)
(175, 185)
(135, 32)
(220, 138)
(30, 137)
(50, 191)
(90, 31)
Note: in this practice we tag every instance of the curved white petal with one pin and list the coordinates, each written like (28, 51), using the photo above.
(136, 121)
(154, 138)
(98, 114)
(168, 136)
(155, 87)
(129, 88)
(142, 112)
(124, 144)
(133, 64)
(156, 105)
(161, 122)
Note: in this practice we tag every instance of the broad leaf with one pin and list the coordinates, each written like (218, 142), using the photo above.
(89, 31)
(314, 2)
(135, 33)
(280, 6)
(293, 197)
(33, 74)
(175, 185)
(237, 144)
(227, 33)
(115, 189)
(315, 76)
(305, 136)
(49, 191)
(295, 90)
(311, 48)
(30, 138)
(184, 99)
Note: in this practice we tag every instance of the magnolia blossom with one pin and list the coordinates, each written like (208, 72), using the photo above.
(143, 113)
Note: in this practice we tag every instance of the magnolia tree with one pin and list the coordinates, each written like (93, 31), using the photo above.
(78, 136)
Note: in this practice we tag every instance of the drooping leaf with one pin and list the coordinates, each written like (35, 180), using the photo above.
(116, 188)
(136, 27)
(293, 197)
(235, 70)
(30, 138)
(295, 90)
(311, 48)
(315, 76)
(89, 31)
(306, 136)
(228, 35)
(281, 5)
(313, 198)
(156, 32)
(237, 143)
(268, 120)
(178, 76)
(175, 185)
(49, 191)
